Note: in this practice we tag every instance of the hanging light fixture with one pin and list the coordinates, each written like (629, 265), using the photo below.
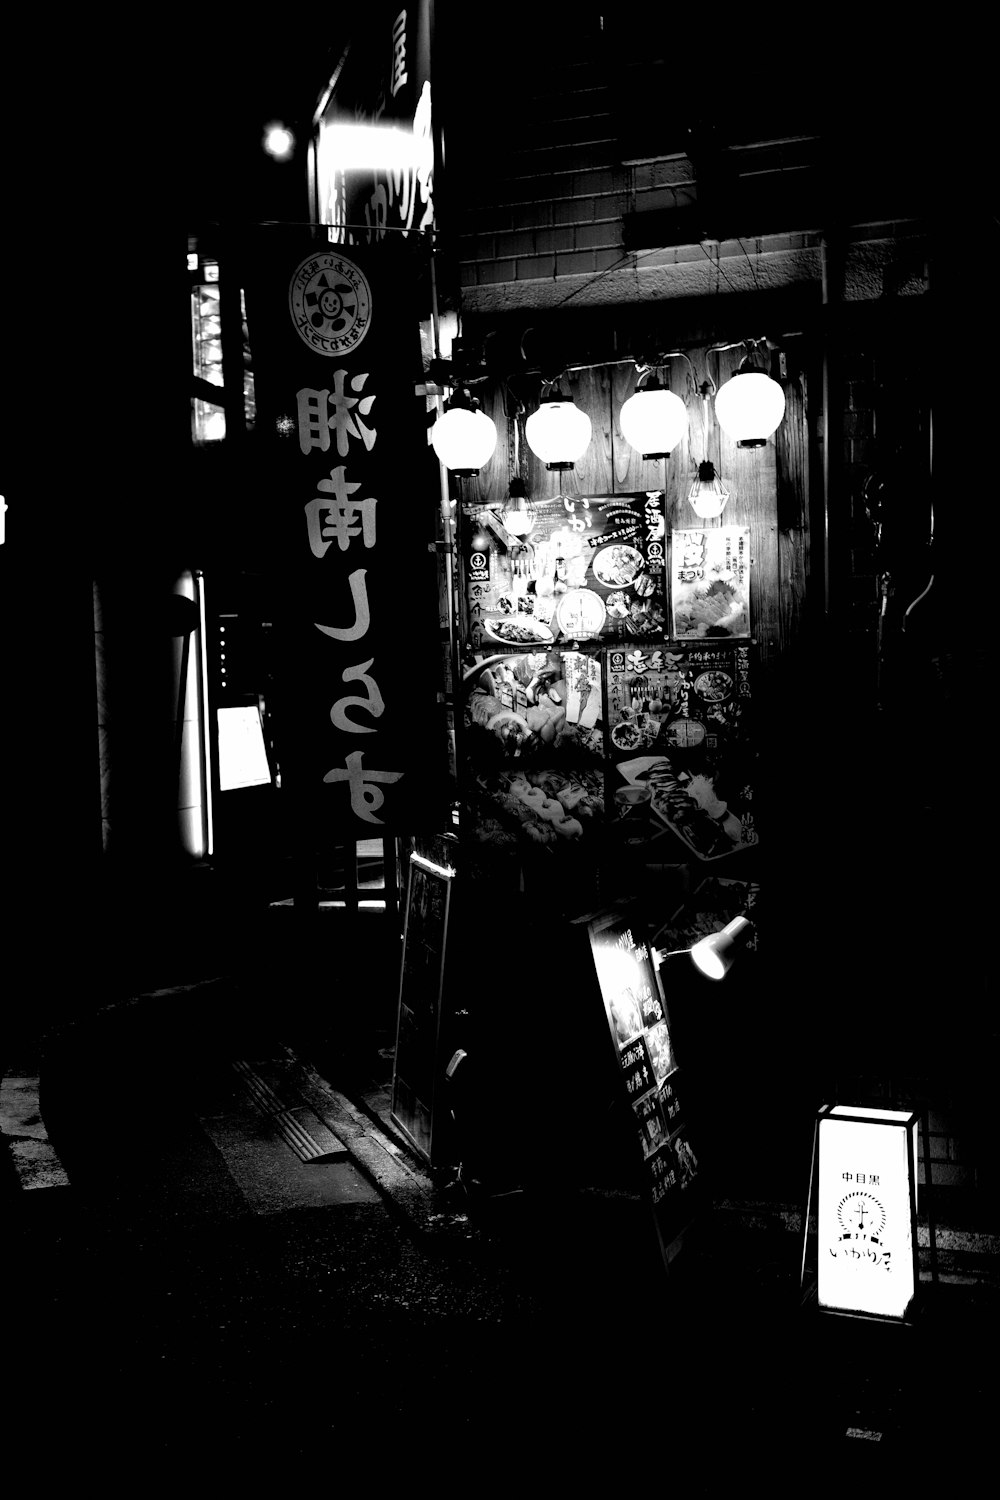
(558, 432)
(464, 437)
(518, 514)
(750, 405)
(653, 420)
(707, 495)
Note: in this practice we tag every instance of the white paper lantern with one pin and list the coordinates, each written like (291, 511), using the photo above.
(464, 439)
(749, 408)
(653, 421)
(558, 432)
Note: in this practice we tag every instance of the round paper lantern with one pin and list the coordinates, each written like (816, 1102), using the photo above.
(749, 408)
(464, 439)
(558, 432)
(653, 421)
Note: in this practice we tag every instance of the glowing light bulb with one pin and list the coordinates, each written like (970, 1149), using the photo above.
(279, 141)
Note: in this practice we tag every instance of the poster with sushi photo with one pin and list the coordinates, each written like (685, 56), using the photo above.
(710, 583)
(680, 758)
(533, 746)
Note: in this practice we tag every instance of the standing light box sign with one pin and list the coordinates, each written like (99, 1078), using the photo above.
(866, 1213)
(336, 347)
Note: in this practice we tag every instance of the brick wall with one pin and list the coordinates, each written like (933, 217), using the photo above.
(550, 202)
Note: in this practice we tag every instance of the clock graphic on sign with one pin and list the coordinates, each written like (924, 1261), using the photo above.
(861, 1217)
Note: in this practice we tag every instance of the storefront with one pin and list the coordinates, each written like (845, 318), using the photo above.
(675, 671)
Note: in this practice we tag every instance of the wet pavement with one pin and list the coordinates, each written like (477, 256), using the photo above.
(198, 1302)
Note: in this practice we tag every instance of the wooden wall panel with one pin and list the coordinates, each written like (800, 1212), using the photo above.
(792, 500)
(749, 474)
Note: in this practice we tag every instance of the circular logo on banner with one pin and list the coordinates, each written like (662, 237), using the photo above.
(477, 560)
(331, 303)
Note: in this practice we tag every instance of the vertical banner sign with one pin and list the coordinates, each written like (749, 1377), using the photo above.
(336, 351)
(866, 1213)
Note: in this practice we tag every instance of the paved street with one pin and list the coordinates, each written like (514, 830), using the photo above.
(199, 1301)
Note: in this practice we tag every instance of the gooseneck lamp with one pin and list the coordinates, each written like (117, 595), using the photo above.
(464, 437)
(750, 405)
(713, 955)
(653, 420)
(558, 432)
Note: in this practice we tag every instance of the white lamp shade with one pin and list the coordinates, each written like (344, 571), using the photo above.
(464, 440)
(749, 408)
(518, 519)
(714, 955)
(653, 422)
(558, 432)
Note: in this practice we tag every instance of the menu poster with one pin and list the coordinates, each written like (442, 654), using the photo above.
(533, 743)
(679, 755)
(588, 569)
(640, 1028)
(710, 583)
(714, 904)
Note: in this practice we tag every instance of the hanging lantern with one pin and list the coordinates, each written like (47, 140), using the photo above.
(518, 514)
(708, 495)
(653, 421)
(464, 437)
(749, 406)
(558, 432)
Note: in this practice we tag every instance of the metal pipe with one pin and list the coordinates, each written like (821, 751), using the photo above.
(825, 399)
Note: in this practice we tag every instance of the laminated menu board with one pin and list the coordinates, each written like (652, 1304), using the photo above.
(416, 1068)
(710, 583)
(680, 758)
(589, 569)
(639, 1025)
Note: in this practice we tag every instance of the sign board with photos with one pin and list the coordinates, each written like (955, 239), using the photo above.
(533, 745)
(679, 754)
(590, 569)
(639, 1025)
(867, 1211)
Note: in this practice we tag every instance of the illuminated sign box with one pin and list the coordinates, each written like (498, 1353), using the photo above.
(242, 753)
(867, 1211)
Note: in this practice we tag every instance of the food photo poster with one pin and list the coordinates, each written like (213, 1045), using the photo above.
(570, 569)
(566, 748)
(710, 583)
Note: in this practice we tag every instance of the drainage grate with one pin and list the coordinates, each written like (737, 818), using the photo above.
(304, 1131)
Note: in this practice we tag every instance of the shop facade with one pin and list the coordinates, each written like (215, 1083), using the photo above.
(589, 242)
(593, 244)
